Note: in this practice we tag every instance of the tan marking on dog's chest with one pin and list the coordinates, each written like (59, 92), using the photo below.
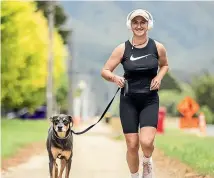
(61, 134)
(58, 151)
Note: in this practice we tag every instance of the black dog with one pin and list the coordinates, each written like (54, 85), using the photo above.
(60, 145)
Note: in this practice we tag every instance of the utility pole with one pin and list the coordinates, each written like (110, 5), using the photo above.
(70, 73)
(49, 91)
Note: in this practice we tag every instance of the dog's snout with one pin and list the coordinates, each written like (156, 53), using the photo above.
(60, 127)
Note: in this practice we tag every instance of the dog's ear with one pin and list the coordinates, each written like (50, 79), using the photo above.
(70, 118)
(52, 118)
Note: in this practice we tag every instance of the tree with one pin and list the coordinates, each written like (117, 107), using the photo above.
(170, 98)
(24, 55)
(170, 83)
(203, 87)
(62, 93)
(59, 18)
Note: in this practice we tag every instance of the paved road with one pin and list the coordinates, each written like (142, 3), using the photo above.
(210, 130)
(174, 123)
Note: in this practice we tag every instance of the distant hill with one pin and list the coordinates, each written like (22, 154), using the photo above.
(185, 28)
(182, 76)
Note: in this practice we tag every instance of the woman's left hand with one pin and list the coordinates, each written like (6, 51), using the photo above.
(155, 84)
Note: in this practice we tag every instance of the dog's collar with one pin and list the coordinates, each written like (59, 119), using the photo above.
(61, 137)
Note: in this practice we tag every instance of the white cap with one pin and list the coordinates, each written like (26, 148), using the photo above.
(139, 12)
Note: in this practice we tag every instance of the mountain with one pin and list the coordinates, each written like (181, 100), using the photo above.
(184, 28)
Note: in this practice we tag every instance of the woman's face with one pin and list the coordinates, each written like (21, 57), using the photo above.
(139, 26)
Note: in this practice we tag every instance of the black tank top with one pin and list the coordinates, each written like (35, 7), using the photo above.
(140, 66)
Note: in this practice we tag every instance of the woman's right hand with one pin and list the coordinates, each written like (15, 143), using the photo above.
(120, 81)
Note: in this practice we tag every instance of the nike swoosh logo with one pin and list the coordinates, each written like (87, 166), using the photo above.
(137, 58)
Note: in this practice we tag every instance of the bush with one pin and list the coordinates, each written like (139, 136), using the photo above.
(203, 88)
(209, 116)
(171, 98)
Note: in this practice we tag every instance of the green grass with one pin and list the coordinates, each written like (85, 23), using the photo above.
(197, 152)
(18, 133)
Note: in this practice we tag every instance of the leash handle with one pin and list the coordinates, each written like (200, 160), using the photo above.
(79, 133)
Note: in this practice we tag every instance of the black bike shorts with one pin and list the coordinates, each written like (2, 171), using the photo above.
(139, 110)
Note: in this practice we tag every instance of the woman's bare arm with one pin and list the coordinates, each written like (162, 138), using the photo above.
(163, 60)
(113, 61)
(163, 64)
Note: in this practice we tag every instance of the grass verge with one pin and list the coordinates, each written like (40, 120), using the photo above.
(197, 152)
(19, 133)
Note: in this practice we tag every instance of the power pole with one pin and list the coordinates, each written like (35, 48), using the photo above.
(70, 73)
(49, 91)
